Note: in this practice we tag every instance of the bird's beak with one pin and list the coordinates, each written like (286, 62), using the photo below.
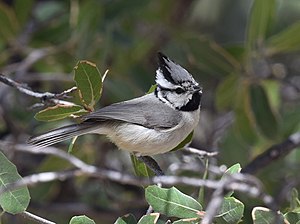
(197, 88)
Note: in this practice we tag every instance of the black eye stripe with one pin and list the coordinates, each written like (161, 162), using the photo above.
(178, 90)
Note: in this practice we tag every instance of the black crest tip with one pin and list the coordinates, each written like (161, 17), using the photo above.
(162, 59)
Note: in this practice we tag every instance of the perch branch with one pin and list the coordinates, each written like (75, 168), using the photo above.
(239, 182)
(23, 88)
(273, 153)
(35, 218)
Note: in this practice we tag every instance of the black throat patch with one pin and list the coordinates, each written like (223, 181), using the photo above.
(193, 104)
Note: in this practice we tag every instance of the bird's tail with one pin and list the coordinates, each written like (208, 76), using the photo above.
(61, 134)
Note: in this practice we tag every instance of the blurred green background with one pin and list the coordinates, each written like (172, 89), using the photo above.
(245, 54)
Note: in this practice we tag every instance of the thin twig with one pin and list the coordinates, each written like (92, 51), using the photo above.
(35, 218)
(200, 153)
(239, 182)
(47, 96)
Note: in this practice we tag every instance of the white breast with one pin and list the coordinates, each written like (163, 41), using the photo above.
(144, 141)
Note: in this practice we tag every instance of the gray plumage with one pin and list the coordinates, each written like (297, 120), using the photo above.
(146, 111)
(152, 124)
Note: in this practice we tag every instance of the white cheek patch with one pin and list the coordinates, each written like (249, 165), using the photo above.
(178, 100)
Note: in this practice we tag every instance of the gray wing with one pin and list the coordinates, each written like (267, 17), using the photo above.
(147, 111)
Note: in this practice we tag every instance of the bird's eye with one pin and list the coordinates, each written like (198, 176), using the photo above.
(179, 90)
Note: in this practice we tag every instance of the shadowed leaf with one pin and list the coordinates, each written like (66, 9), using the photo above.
(286, 41)
(261, 215)
(231, 211)
(140, 168)
(126, 219)
(12, 201)
(261, 18)
(226, 92)
(186, 141)
(264, 116)
(292, 217)
(244, 123)
(236, 168)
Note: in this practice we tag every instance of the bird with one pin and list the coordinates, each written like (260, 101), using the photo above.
(148, 125)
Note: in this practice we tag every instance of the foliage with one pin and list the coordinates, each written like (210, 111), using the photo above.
(81, 220)
(12, 201)
(245, 54)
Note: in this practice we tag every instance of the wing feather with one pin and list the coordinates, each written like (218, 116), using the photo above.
(147, 111)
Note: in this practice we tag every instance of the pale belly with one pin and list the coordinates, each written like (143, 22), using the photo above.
(143, 141)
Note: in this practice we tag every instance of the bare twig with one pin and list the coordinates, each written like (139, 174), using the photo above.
(52, 97)
(199, 152)
(35, 218)
(33, 56)
(273, 153)
(239, 182)
(214, 205)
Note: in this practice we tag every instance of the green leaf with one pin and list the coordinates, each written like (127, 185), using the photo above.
(290, 121)
(89, 83)
(149, 219)
(261, 215)
(231, 211)
(140, 168)
(186, 141)
(172, 202)
(261, 18)
(12, 201)
(71, 145)
(272, 88)
(208, 56)
(152, 88)
(201, 194)
(286, 41)
(82, 219)
(126, 219)
(264, 116)
(244, 124)
(236, 168)
(8, 22)
(295, 202)
(187, 221)
(226, 92)
(23, 10)
(59, 112)
(292, 217)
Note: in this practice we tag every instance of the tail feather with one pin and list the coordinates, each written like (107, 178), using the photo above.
(61, 134)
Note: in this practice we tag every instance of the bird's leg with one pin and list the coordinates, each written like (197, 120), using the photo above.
(152, 164)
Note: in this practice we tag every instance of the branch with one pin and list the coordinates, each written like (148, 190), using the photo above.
(273, 153)
(32, 56)
(51, 97)
(238, 182)
(35, 218)
(201, 153)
